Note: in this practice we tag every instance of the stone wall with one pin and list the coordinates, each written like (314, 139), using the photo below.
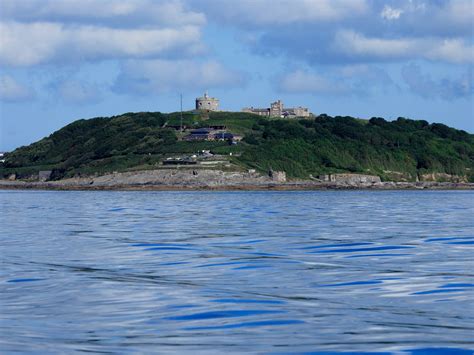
(177, 177)
(350, 178)
(300, 111)
(442, 177)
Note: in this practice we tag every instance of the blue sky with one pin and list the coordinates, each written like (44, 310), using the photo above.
(61, 60)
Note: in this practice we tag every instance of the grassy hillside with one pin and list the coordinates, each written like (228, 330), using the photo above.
(395, 150)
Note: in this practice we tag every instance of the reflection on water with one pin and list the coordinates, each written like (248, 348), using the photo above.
(213, 272)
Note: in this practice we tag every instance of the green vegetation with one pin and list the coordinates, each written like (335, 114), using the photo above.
(401, 149)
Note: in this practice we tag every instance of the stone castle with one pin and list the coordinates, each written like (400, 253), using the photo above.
(207, 103)
(276, 109)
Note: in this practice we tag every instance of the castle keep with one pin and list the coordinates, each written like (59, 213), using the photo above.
(276, 109)
(207, 103)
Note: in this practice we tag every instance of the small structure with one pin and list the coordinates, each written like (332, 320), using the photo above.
(278, 110)
(201, 134)
(207, 103)
(179, 161)
(223, 136)
(44, 175)
(277, 176)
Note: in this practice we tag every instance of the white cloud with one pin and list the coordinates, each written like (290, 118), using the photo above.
(11, 90)
(359, 80)
(451, 50)
(300, 81)
(38, 43)
(344, 32)
(50, 31)
(274, 12)
(355, 45)
(123, 13)
(390, 13)
(459, 12)
(157, 76)
(29, 44)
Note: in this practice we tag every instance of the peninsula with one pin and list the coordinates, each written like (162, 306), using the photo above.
(207, 148)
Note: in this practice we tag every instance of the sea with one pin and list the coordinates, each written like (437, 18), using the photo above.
(262, 272)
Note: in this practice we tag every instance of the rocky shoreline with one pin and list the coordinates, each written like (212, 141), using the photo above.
(188, 179)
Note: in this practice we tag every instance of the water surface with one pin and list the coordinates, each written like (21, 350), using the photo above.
(237, 272)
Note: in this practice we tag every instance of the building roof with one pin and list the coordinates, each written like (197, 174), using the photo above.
(224, 135)
(201, 131)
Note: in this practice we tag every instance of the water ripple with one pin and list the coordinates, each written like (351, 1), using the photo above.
(238, 272)
(223, 314)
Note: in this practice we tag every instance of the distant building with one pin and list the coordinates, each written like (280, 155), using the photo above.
(201, 134)
(278, 110)
(210, 134)
(227, 136)
(207, 103)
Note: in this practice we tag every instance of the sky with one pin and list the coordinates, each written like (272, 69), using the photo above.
(62, 60)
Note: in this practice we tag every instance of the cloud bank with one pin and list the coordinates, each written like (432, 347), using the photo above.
(50, 32)
(345, 32)
(158, 76)
(162, 45)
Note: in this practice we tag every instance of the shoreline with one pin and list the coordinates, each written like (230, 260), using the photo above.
(287, 186)
(215, 180)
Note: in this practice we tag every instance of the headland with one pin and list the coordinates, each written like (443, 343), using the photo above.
(269, 148)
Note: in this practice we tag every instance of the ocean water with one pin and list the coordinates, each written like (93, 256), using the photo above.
(237, 272)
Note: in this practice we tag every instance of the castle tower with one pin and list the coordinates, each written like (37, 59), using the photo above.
(207, 103)
(276, 109)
